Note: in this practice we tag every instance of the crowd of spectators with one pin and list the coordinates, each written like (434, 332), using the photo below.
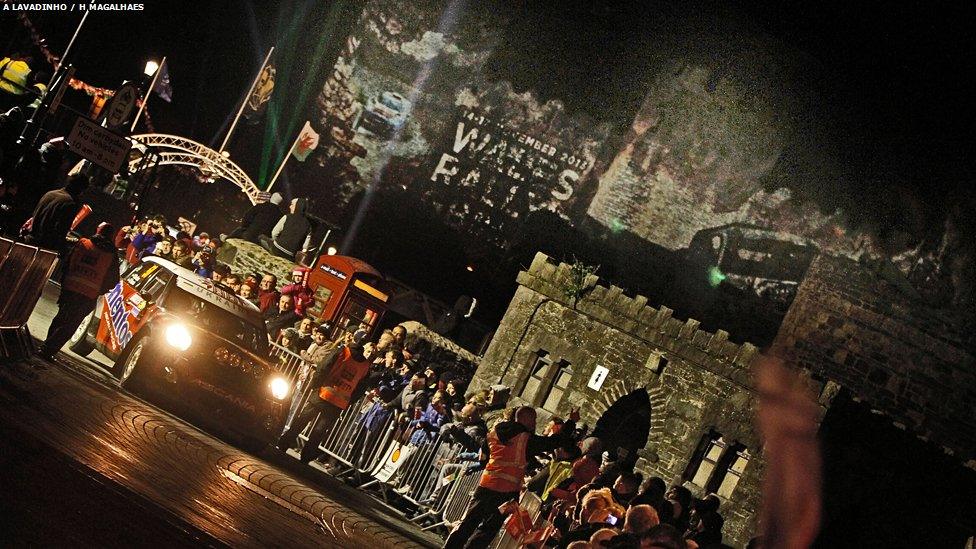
(593, 499)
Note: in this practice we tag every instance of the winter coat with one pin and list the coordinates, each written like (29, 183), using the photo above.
(52, 220)
(259, 220)
(293, 231)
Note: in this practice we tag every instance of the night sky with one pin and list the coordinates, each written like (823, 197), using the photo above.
(895, 74)
(890, 81)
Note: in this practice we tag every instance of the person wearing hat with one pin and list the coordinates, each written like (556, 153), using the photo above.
(339, 378)
(299, 289)
(259, 220)
(92, 269)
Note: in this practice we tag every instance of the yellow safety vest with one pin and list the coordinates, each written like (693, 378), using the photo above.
(13, 78)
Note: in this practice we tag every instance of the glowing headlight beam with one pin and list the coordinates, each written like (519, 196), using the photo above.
(178, 336)
(280, 388)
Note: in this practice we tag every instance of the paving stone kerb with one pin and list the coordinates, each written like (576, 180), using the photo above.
(311, 501)
(705, 384)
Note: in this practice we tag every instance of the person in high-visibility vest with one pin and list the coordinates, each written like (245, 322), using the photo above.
(510, 446)
(92, 270)
(339, 378)
(14, 81)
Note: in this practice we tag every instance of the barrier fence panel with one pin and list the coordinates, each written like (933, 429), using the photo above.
(24, 270)
(288, 363)
(12, 271)
(5, 246)
(456, 502)
(377, 451)
(533, 505)
(411, 469)
(31, 286)
(298, 372)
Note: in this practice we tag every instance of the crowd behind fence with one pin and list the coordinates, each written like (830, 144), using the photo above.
(380, 460)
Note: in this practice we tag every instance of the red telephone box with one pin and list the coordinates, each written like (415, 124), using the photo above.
(347, 293)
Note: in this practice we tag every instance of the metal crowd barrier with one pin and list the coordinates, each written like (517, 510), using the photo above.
(381, 460)
(531, 503)
(455, 503)
(298, 372)
(288, 363)
(24, 271)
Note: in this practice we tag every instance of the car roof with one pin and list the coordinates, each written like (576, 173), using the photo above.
(210, 291)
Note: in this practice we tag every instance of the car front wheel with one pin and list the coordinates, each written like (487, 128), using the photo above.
(131, 367)
(79, 342)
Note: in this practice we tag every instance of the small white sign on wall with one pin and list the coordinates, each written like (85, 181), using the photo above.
(599, 375)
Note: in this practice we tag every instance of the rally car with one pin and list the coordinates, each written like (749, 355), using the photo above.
(383, 115)
(180, 336)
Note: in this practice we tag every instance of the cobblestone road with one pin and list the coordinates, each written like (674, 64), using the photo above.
(219, 492)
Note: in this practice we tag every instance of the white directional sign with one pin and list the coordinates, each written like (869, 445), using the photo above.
(121, 105)
(99, 145)
(599, 375)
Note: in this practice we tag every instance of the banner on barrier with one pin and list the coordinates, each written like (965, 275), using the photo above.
(395, 457)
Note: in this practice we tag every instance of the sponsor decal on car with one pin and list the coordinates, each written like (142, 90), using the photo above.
(236, 400)
(119, 316)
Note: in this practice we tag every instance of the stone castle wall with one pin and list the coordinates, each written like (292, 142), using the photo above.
(848, 326)
(697, 380)
(911, 362)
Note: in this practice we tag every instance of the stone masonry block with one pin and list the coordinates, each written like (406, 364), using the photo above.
(611, 297)
(540, 264)
(662, 316)
(636, 305)
(747, 353)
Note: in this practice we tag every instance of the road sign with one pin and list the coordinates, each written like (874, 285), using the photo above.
(99, 145)
(121, 105)
(598, 377)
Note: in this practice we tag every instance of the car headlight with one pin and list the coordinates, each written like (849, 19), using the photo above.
(280, 388)
(178, 336)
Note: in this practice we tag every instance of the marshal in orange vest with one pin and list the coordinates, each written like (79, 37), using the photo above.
(342, 379)
(506, 463)
(88, 267)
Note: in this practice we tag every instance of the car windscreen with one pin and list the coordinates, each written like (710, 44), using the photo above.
(218, 320)
(392, 102)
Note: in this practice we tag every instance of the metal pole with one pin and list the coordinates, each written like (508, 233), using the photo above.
(64, 58)
(283, 162)
(244, 102)
(147, 94)
(318, 252)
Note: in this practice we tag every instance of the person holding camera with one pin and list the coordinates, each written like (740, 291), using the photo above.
(144, 239)
(203, 262)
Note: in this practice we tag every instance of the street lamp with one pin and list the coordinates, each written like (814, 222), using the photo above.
(332, 250)
(151, 68)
